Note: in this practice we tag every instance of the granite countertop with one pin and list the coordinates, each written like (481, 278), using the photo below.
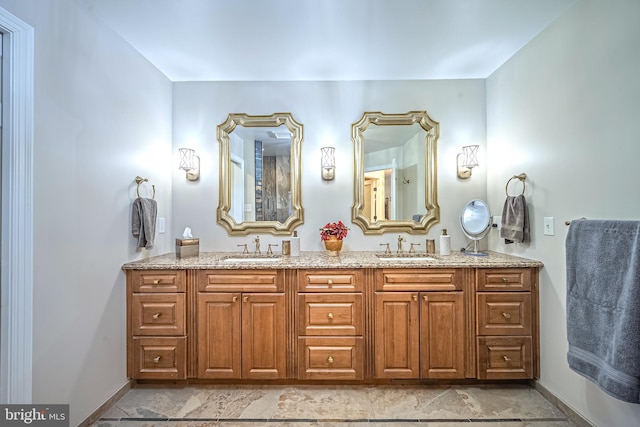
(321, 259)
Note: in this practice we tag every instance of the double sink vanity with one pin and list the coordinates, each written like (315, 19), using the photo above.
(358, 317)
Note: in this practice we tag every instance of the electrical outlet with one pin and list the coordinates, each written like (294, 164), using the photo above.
(548, 226)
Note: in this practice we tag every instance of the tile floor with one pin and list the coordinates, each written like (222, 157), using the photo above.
(340, 406)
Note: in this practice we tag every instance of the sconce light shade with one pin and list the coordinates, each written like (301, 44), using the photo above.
(467, 160)
(190, 163)
(328, 163)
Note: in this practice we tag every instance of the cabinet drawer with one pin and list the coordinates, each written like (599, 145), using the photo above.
(504, 313)
(158, 314)
(504, 279)
(331, 358)
(159, 358)
(240, 281)
(330, 314)
(504, 358)
(158, 281)
(437, 279)
(330, 280)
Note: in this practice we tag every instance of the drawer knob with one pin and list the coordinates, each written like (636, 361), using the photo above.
(505, 280)
(156, 359)
(156, 281)
(330, 315)
(329, 359)
(330, 282)
(506, 359)
(157, 315)
(506, 315)
(234, 299)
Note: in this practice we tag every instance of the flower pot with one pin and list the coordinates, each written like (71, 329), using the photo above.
(333, 244)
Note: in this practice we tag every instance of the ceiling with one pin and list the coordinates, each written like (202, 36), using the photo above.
(317, 40)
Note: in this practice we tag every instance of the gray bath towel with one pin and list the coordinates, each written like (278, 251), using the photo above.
(515, 220)
(603, 304)
(143, 221)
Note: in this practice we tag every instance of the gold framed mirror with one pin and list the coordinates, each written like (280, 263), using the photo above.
(260, 161)
(395, 174)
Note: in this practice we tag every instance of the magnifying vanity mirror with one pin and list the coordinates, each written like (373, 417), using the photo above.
(475, 221)
(395, 176)
(260, 174)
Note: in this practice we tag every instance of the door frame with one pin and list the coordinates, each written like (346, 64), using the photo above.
(16, 277)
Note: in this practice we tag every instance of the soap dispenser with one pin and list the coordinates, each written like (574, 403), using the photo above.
(295, 244)
(445, 243)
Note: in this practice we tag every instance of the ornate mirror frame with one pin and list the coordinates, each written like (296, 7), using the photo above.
(297, 212)
(431, 174)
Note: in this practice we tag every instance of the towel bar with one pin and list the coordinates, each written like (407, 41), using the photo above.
(140, 180)
(522, 177)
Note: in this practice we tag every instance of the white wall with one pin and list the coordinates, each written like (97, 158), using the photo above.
(565, 111)
(327, 110)
(102, 116)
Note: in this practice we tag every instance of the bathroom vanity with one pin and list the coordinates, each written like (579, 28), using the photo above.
(356, 317)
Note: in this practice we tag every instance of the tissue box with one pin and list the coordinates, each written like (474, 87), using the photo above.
(187, 247)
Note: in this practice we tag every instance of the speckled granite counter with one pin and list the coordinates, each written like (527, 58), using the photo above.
(356, 259)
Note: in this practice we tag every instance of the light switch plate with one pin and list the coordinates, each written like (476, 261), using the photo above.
(549, 229)
(160, 225)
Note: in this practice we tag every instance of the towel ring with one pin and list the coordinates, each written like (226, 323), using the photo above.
(140, 180)
(522, 177)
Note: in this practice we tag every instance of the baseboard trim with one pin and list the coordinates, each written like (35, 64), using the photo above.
(95, 416)
(575, 417)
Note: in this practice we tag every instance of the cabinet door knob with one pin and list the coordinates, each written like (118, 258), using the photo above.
(157, 315)
(330, 282)
(506, 315)
(424, 297)
(156, 359)
(234, 299)
(245, 299)
(415, 297)
(329, 359)
(330, 315)
(506, 359)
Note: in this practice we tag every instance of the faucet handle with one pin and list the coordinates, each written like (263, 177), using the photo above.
(387, 250)
(412, 249)
(269, 251)
(245, 250)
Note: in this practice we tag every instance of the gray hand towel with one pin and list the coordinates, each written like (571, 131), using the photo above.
(515, 220)
(603, 304)
(143, 221)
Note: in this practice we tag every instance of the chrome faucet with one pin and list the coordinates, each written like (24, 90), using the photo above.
(257, 242)
(400, 240)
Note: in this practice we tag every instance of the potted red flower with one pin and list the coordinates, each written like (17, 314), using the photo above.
(332, 235)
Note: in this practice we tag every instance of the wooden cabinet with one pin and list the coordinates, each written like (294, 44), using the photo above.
(241, 334)
(156, 324)
(333, 324)
(505, 323)
(419, 327)
(330, 325)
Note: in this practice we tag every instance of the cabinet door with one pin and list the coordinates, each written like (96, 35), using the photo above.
(264, 348)
(442, 335)
(396, 337)
(219, 335)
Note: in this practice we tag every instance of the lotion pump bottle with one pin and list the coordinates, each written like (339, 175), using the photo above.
(295, 244)
(445, 243)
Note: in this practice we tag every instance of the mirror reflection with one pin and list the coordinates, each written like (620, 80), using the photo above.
(395, 175)
(260, 173)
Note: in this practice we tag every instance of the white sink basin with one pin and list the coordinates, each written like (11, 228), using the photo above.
(404, 258)
(251, 259)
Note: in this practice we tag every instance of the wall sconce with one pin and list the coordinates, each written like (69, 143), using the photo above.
(328, 163)
(467, 160)
(189, 162)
